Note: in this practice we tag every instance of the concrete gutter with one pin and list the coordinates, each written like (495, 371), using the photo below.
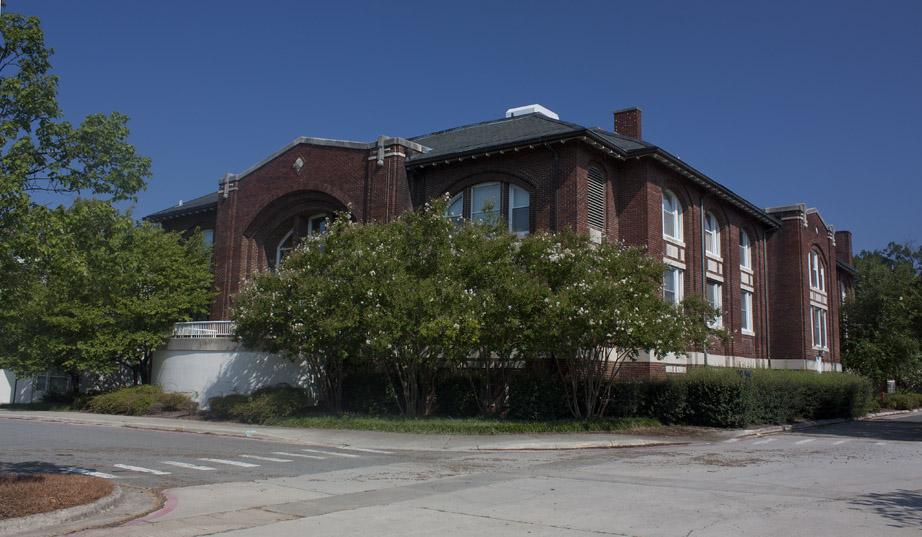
(355, 438)
(54, 519)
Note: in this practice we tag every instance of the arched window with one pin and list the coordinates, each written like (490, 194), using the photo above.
(315, 226)
(488, 204)
(519, 210)
(817, 271)
(286, 245)
(745, 250)
(455, 210)
(672, 216)
(711, 235)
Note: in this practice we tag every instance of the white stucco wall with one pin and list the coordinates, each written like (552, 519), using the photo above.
(212, 367)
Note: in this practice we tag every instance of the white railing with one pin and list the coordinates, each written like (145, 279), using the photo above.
(204, 329)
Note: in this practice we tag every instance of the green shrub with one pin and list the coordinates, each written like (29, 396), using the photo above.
(628, 398)
(263, 404)
(537, 396)
(901, 401)
(137, 401)
(368, 393)
(455, 398)
(718, 398)
(667, 401)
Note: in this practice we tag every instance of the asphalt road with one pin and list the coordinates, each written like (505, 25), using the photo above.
(851, 479)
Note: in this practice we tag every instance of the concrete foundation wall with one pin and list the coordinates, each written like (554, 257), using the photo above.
(212, 367)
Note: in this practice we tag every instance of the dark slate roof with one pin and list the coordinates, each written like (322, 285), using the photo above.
(511, 131)
(538, 128)
(208, 202)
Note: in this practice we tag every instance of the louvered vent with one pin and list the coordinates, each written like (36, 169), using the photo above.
(596, 201)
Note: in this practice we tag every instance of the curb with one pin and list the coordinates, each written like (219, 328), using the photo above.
(40, 521)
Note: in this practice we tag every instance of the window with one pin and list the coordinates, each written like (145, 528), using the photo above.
(315, 226)
(485, 201)
(596, 201)
(672, 285)
(817, 272)
(519, 217)
(711, 235)
(455, 211)
(208, 237)
(745, 250)
(486, 206)
(672, 216)
(746, 312)
(714, 299)
(818, 320)
(286, 245)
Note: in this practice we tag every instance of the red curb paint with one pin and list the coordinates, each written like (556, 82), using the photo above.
(168, 507)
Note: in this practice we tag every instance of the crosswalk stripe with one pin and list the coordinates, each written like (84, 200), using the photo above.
(286, 454)
(730, 441)
(231, 463)
(767, 440)
(270, 459)
(368, 450)
(840, 442)
(187, 465)
(84, 471)
(140, 469)
(334, 453)
(880, 443)
(805, 441)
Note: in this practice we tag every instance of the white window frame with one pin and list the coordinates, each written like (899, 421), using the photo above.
(745, 250)
(746, 313)
(498, 210)
(459, 217)
(819, 327)
(817, 271)
(278, 249)
(512, 207)
(711, 235)
(678, 276)
(675, 215)
(716, 288)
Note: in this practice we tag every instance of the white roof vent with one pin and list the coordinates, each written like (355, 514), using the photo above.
(531, 109)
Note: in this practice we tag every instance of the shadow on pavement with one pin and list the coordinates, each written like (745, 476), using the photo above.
(906, 430)
(34, 467)
(902, 507)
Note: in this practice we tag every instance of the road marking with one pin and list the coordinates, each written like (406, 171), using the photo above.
(84, 471)
(286, 454)
(804, 441)
(189, 466)
(140, 469)
(368, 450)
(767, 440)
(839, 443)
(231, 463)
(335, 454)
(880, 443)
(730, 441)
(270, 459)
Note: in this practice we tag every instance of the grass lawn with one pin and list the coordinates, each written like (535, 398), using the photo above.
(464, 425)
(29, 494)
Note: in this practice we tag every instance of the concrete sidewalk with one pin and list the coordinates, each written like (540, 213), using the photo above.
(362, 439)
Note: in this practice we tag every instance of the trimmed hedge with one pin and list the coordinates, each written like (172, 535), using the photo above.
(138, 401)
(901, 401)
(263, 404)
(729, 398)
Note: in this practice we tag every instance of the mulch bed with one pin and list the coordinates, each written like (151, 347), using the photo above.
(29, 494)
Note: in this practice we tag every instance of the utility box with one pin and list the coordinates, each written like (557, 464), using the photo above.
(891, 386)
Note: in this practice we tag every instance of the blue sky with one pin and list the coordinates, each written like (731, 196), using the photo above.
(816, 102)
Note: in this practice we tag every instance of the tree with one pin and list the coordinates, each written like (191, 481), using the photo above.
(42, 153)
(882, 318)
(99, 292)
(602, 306)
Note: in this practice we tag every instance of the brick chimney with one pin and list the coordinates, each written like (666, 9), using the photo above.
(844, 246)
(627, 122)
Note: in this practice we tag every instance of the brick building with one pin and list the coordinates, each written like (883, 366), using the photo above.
(778, 275)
